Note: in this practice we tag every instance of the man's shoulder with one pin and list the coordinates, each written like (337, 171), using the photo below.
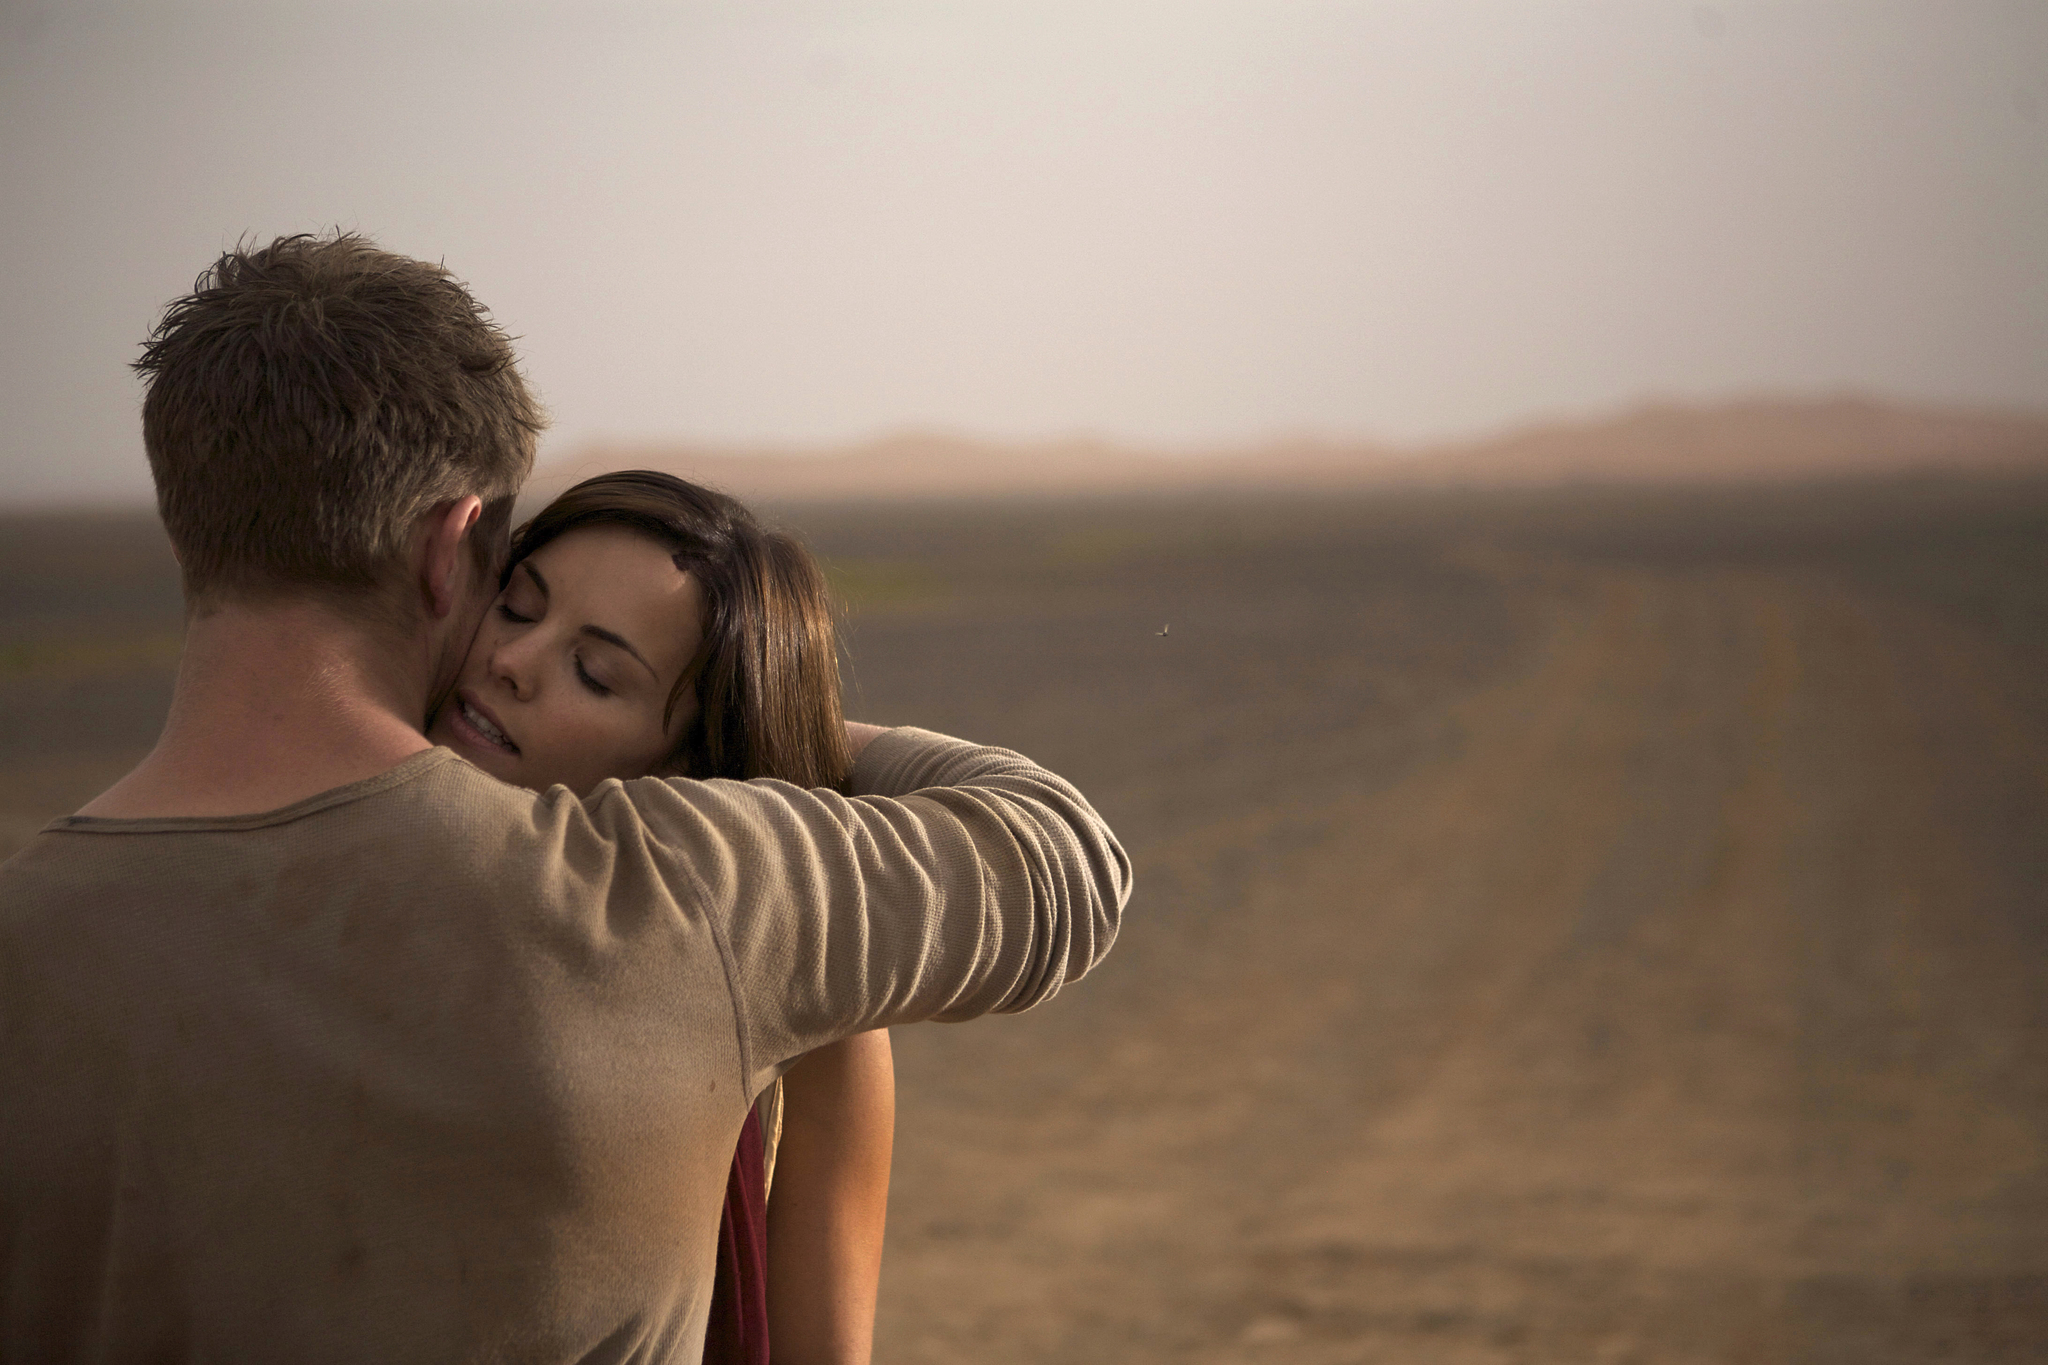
(445, 835)
(432, 806)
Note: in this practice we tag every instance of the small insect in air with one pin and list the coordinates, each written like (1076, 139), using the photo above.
(1162, 630)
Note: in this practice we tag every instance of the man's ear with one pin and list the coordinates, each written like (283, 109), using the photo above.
(448, 528)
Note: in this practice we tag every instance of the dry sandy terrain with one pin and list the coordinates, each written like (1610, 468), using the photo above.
(1555, 942)
(1601, 928)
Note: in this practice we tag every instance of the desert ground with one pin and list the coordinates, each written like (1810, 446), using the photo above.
(1571, 926)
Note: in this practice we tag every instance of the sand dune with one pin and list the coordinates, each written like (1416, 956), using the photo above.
(1767, 440)
(1753, 441)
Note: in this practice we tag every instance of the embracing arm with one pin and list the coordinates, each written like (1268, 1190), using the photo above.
(958, 880)
(830, 1202)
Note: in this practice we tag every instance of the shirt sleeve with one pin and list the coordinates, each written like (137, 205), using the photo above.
(958, 880)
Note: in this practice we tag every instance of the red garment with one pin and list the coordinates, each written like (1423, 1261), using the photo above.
(737, 1333)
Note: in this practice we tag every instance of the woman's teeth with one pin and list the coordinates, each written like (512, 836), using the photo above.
(485, 728)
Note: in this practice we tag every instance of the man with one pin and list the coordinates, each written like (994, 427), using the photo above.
(317, 1043)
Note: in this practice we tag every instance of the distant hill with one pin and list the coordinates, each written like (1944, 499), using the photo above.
(1752, 441)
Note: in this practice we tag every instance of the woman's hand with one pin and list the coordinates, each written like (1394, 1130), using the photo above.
(829, 1202)
(859, 735)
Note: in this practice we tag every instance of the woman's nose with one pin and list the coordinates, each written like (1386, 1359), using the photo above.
(512, 663)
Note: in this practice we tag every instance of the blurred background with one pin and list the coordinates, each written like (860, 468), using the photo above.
(1590, 464)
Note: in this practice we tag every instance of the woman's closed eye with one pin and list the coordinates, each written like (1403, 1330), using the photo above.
(583, 674)
(505, 611)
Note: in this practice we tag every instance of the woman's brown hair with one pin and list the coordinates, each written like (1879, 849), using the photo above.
(766, 678)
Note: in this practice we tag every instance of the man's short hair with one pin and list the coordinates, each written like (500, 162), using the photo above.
(311, 399)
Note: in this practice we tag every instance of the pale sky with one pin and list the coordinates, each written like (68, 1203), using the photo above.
(1184, 223)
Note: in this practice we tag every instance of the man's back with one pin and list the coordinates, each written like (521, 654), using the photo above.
(431, 1068)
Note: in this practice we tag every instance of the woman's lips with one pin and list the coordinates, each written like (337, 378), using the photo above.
(474, 722)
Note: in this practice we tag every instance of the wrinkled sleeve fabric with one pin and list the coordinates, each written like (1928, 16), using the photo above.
(958, 880)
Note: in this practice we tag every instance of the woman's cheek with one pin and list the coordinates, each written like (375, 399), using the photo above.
(591, 744)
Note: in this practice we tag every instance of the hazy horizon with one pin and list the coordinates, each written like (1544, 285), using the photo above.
(1169, 227)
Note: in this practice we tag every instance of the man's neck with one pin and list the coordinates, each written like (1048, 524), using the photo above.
(276, 703)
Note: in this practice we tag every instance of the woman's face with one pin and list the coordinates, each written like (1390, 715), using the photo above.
(574, 664)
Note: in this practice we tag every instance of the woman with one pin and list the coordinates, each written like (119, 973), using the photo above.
(647, 626)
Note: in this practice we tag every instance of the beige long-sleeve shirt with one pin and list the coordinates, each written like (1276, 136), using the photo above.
(431, 1068)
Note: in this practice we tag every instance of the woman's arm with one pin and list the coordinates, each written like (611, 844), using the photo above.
(830, 1201)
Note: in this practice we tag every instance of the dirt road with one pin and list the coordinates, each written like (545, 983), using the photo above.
(1678, 994)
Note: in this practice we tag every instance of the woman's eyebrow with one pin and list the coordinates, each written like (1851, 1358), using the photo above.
(594, 632)
(611, 638)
